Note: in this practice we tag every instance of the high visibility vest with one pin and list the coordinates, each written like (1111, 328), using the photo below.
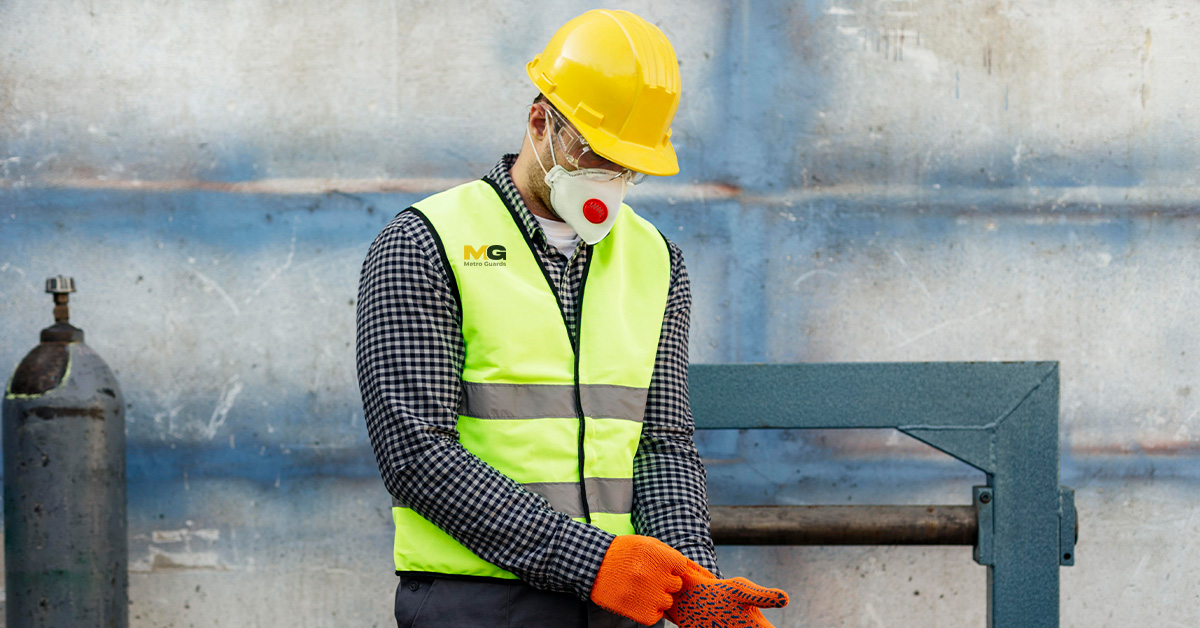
(540, 406)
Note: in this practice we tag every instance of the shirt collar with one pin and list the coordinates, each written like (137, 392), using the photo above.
(500, 175)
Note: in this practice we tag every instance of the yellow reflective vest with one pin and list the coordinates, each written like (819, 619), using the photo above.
(561, 415)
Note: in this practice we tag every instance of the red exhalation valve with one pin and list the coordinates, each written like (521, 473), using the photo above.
(595, 211)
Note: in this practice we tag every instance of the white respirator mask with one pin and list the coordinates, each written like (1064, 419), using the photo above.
(587, 199)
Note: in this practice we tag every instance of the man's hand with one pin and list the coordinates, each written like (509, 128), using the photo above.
(704, 601)
(638, 577)
(641, 578)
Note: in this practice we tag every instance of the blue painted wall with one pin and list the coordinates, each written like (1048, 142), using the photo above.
(861, 181)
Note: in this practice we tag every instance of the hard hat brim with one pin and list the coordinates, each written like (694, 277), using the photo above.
(658, 162)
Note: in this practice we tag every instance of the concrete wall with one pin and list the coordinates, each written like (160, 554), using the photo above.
(862, 180)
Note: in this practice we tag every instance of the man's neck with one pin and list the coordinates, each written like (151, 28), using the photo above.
(521, 173)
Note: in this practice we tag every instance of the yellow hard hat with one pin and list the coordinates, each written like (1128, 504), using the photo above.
(615, 77)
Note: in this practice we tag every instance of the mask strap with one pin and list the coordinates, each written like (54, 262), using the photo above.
(553, 159)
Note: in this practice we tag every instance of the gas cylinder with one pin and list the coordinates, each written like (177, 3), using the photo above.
(65, 547)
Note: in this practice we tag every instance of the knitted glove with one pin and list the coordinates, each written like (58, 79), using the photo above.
(704, 601)
(637, 578)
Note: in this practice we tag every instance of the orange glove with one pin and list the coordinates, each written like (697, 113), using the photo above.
(638, 577)
(705, 601)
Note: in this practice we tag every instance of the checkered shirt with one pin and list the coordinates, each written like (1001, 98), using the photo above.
(410, 360)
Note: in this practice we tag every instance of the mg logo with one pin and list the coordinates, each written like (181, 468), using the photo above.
(495, 253)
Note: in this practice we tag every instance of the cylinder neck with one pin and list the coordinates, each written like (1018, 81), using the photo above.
(62, 330)
(62, 313)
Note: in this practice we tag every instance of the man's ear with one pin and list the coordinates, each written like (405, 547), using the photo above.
(537, 122)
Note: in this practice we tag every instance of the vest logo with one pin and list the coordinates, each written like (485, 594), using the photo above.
(474, 256)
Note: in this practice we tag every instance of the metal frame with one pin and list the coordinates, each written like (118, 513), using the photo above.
(1001, 418)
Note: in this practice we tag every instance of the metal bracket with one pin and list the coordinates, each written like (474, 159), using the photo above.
(1068, 526)
(984, 543)
(999, 417)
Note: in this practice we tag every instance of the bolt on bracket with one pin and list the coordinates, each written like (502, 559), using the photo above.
(984, 543)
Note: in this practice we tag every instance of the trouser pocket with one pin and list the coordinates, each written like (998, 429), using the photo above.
(411, 595)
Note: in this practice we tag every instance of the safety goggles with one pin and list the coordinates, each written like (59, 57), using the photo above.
(579, 154)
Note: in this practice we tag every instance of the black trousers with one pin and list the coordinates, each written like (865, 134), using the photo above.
(429, 602)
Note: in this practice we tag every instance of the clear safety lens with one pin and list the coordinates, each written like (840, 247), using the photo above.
(579, 154)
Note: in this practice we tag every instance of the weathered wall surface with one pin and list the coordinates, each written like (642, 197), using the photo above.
(862, 180)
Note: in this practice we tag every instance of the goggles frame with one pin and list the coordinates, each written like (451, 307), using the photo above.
(580, 154)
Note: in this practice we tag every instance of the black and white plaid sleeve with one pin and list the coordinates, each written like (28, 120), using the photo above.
(670, 499)
(410, 357)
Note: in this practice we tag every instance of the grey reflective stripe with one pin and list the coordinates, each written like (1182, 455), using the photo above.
(551, 401)
(607, 495)
(517, 401)
(614, 402)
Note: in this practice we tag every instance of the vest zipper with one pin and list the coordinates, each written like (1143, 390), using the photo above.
(587, 265)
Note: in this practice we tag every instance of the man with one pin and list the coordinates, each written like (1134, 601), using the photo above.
(522, 355)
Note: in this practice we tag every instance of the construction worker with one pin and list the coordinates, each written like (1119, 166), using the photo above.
(522, 356)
